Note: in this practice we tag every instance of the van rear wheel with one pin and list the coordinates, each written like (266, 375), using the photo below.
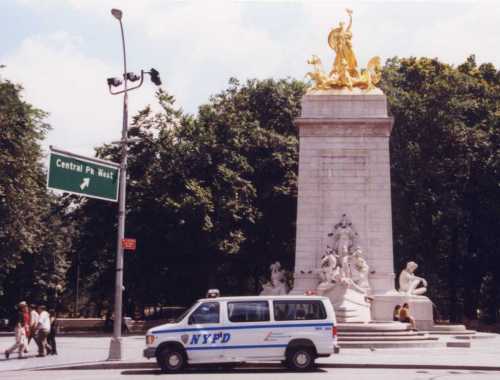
(300, 359)
(171, 360)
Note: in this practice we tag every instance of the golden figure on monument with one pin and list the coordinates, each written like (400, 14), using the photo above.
(340, 40)
(345, 72)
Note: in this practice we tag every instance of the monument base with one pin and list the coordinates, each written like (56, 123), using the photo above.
(382, 308)
(349, 304)
(304, 282)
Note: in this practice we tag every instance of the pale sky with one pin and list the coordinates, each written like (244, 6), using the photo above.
(62, 51)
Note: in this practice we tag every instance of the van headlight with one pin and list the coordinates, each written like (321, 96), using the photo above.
(150, 339)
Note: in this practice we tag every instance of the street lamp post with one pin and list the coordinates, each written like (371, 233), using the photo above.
(115, 348)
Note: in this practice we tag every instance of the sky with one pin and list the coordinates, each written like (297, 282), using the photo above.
(62, 51)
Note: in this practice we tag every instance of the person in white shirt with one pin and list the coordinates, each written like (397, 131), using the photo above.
(42, 331)
(33, 323)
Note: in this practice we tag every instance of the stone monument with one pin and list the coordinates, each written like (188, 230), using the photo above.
(344, 181)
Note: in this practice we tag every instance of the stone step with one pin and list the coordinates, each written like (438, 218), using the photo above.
(392, 344)
(477, 335)
(350, 319)
(452, 333)
(458, 344)
(445, 327)
(382, 333)
(387, 339)
(373, 326)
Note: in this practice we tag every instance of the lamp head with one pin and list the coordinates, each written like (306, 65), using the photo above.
(133, 77)
(114, 82)
(155, 77)
(117, 13)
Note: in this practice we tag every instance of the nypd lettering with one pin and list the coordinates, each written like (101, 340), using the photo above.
(210, 338)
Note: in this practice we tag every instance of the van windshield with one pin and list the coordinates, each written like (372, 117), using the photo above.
(186, 312)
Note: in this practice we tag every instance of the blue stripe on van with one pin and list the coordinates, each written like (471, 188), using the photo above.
(244, 346)
(244, 327)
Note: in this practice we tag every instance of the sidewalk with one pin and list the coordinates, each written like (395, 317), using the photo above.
(92, 353)
(72, 350)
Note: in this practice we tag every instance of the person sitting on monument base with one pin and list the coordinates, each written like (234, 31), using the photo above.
(395, 313)
(409, 283)
(405, 317)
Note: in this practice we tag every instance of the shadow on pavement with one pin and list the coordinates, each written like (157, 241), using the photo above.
(137, 368)
(144, 368)
(221, 371)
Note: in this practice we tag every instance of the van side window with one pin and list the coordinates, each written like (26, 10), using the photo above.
(207, 312)
(251, 311)
(298, 310)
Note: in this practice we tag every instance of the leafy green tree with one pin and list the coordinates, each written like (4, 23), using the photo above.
(444, 154)
(210, 199)
(30, 228)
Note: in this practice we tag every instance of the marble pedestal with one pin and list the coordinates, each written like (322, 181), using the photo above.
(350, 304)
(344, 168)
(420, 308)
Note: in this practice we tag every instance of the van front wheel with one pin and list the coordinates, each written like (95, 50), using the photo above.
(300, 359)
(171, 360)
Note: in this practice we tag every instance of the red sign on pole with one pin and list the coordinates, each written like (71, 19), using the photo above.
(129, 244)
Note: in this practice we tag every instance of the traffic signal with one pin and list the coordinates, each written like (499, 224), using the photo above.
(155, 77)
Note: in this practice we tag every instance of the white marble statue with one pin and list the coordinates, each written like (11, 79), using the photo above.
(358, 269)
(409, 283)
(277, 285)
(343, 237)
(344, 273)
(330, 271)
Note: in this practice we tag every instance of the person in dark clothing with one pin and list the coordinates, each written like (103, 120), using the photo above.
(108, 321)
(396, 313)
(54, 327)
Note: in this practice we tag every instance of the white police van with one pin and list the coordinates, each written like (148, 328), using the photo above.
(293, 329)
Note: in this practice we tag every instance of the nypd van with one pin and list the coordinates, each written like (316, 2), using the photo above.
(292, 329)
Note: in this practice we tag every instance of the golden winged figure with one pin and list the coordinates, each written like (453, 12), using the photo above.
(345, 72)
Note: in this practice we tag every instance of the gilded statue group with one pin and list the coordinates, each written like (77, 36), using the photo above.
(344, 72)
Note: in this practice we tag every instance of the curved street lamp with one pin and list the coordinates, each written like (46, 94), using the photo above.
(115, 347)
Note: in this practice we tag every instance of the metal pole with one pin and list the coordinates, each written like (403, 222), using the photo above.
(77, 284)
(115, 349)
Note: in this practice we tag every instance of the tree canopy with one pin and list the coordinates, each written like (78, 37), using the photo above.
(212, 197)
(445, 178)
(34, 240)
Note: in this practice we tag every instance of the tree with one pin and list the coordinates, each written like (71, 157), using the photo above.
(210, 199)
(29, 232)
(444, 154)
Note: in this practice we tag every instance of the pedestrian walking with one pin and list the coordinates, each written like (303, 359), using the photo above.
(42, 331)
(54, 329)
(26, 325)
(20, 332)
(33, 323)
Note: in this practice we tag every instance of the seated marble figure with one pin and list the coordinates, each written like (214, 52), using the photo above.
(409, 283)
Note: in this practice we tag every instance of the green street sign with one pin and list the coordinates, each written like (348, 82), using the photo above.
(85, 176)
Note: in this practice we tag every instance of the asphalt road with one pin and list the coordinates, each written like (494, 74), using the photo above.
(261, 373)
(85, 358)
